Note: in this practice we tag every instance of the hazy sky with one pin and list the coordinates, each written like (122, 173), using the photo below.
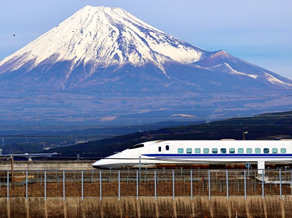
(258, 31)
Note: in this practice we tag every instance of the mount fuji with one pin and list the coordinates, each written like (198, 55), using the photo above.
(103, 64)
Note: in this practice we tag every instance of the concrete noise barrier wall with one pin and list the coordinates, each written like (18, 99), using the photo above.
(255, 206)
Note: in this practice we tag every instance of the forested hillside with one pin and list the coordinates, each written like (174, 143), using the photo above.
(266, 126)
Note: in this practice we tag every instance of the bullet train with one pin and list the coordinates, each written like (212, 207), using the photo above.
(153, 153)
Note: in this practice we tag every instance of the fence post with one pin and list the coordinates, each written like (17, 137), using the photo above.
(100, 186)
(155, 188)
(140, 169)
(209, 184)
(64, 194)
(26, 185)
(191, 184)
(92, 176)
(7, 185)
(227, 185)
(263, 184)
(173, 185)
(245, 184)
(57, 177)
(45, 184)
(137, 185)
(82, 186)
(291, 181)
(119, 184)
(74, 180)
(280, 177)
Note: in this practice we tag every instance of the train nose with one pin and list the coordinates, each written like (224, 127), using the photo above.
(103, 163)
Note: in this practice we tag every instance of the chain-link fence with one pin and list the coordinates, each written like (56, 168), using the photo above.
(146, 182)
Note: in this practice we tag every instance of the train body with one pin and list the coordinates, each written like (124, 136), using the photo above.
(153, 153)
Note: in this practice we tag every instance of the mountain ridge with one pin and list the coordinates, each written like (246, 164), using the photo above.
(120, 68)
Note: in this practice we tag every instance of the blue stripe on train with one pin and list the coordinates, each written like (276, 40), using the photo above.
(220, 155)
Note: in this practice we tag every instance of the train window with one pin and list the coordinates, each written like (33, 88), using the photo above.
(249, 150)
(257, 150)
(231, 150)
(189, 150)
(180, 150)
(240, 150)
(283, 150)
(275, 150)
(167, 147)
(197, 150)
(214, 150)
(266, 150)
(206, 150)
(159, 149)
(223, 150)
(137, 146)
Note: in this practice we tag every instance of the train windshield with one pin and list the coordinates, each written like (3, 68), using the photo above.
(137, 146)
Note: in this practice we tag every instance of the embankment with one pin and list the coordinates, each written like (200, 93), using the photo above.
(47, 165)
(255, 206)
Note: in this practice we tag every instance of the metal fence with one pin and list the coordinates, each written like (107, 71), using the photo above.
(146, 182)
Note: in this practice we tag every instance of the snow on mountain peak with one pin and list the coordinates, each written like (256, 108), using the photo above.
(105, 36)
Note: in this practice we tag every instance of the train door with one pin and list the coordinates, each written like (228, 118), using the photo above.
(166, 149)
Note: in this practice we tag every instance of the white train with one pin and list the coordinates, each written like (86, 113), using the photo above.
(152, 153)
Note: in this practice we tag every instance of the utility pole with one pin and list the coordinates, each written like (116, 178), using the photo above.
(243, 135)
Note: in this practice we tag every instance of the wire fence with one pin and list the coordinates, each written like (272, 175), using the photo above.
(146, 182)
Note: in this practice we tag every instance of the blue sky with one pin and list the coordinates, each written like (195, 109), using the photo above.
(258, 31)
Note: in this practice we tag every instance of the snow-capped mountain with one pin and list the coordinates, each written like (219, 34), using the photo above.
(107, 59)
(105, 36)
